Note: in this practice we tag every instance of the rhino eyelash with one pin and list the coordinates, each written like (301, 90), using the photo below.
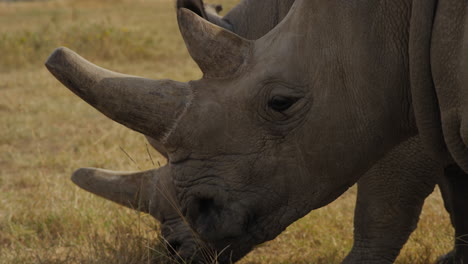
(281, 82)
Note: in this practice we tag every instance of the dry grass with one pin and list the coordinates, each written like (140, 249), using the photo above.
(46, 133)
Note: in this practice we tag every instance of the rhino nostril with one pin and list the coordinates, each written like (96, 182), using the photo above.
(204, 214)
(206, 205)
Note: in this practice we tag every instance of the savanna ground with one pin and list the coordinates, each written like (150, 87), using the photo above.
(47, 132)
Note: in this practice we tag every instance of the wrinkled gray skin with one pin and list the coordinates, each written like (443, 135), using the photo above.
(278, 126)
(391, 193)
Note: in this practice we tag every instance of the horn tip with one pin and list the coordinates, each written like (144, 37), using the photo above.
(186, 15)
(82, 176)
(57, 53)
(57, 58)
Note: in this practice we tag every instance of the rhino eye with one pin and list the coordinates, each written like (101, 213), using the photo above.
(281, 103)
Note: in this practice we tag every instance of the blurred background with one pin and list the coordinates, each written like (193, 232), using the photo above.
(46, 133)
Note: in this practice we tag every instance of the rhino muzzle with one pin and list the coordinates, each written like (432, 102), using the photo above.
(212, 213)
(151, 192)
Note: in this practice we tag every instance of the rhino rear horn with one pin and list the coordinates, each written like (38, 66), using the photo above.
(218, 52)
(144, 105)
(127, 189)
(145, 191)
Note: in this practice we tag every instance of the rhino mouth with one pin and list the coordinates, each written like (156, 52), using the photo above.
(217, 214)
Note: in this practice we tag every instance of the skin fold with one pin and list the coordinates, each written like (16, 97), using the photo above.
(277, 126)
(392, 192)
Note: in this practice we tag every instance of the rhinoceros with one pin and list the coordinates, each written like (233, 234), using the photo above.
(283, 124)
(390, 194)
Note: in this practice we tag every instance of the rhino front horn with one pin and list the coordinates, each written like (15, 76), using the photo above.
(218, 52)
(144, 105)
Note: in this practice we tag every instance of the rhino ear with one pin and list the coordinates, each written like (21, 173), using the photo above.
(218, 52)
(195, 6)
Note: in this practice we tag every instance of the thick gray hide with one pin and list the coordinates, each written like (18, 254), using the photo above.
(392, 192)
(316, 101)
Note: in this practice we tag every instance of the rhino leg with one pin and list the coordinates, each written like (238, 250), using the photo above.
(389, 202)
(453, 186)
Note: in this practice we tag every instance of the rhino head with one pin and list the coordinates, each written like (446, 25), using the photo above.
(275, 128)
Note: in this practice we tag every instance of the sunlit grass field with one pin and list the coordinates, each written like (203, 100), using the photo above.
(47, 132)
